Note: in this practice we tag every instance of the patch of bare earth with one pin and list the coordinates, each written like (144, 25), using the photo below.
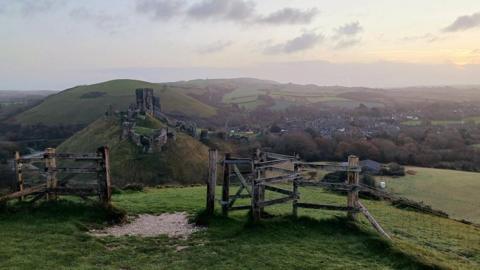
(170, 224)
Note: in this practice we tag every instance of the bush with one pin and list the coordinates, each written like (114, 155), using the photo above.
(393, 169)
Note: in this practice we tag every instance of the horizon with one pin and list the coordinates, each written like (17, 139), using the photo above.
(253, 78)
(49, 44)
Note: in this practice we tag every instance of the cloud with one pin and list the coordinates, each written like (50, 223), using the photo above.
(349, 29)
(428, 37)
(290, 16)
(160, 9)
(215, 47)
(240, 11)
(232, 10)
(346, 36)
(464, 23)
(346, 43)
(101, 20)
(306, 41)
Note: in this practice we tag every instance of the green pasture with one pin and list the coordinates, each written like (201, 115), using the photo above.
(55, 236)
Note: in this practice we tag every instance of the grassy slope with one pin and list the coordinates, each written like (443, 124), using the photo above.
(455, 192)
(67, 107)
(183, 162)
(53, 236)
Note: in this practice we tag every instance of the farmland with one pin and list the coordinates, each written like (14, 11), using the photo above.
(452, 191)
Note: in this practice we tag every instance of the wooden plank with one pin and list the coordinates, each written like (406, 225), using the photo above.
(80, 157)
(296, 194)
(279, 190)
(18, 173)
(284, 177)
(372, 220)
(75, 191)
(29, 160)
(329, 166)
(24, 192)
(270, 163)
(326, 207)
(237, 195)
(242, 180)
(77, 170)
(50, 170)
(271, 168)
(336, 186)
(353, 179)
(211, 180)
(279, 156)
(108, 181)
(275, 201)
(226, 184)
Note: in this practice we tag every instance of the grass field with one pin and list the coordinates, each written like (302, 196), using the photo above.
(54, 236)
(455, 192)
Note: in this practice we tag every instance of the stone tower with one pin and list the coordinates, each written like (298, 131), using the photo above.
(145, 100)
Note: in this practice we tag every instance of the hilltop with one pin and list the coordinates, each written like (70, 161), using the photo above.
(84, 104)
(182, 162)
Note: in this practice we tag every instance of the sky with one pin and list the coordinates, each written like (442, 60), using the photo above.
(53, 44)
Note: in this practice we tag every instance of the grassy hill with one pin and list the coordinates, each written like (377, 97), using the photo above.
(55, 236)
(455, 192)
(84, 104)
(183, 162)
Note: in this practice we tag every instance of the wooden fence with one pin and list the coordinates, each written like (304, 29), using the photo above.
(254, 182)
(50, 186)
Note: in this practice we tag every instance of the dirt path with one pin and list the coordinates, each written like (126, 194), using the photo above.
(171, 224)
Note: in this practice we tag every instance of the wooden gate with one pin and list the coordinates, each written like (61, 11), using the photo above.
(256, 177)
(50, 164)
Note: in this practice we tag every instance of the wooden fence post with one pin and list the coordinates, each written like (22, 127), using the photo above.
(212, 180)
(18, 173)
(51, 170)
(103, 177)
(262, 173)
(256, 211)
(295, 192)
(226, 185)
(353, 179)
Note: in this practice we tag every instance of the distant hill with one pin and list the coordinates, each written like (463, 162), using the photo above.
(204, 98)
(183, 162)
(84, 104)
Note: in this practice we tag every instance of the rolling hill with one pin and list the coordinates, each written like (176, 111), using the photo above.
(84, 104)
(183, 162)
(205, 98)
